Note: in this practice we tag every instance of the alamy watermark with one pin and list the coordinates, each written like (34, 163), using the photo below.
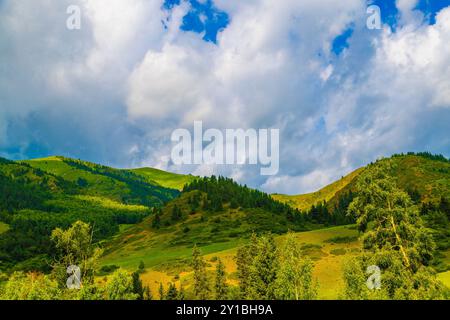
(373, 22)
(74, 280)
(73, 21)
(374, 280)
(230, 147)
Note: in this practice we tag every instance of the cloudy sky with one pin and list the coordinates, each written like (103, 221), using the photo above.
(112, 92)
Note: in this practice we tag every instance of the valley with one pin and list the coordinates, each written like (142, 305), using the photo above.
(148, 219)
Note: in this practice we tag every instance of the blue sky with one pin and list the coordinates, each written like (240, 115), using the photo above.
(113, 91)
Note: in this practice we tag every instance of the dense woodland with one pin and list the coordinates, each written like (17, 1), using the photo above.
(34, 202)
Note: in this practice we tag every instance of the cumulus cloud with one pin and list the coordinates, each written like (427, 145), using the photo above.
(114, 91)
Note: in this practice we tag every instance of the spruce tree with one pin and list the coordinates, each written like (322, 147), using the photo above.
(138, 288)
(161, 292)
(201, 285)
(220, 284)
(263, 270)
(172, 292)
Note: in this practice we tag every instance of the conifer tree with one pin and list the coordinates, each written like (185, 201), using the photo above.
(161, 292)
(263, 270)
(172, 292)
(220, 284)
(201, 285)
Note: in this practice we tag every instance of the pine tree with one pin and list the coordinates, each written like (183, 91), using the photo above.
(156, 223)
(181, 293)
(172, 292)
(263, 270)
(161, 292)
(244, 260)
(137, 285)
(201, 285)
(220, 285)
(147, 293)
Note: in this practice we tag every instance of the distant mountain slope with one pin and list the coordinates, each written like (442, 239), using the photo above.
(209, 211)
(164, 178)
(424, 176)
(306, 201)
(97, 180)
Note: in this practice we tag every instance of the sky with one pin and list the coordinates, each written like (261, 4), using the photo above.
(113, 91)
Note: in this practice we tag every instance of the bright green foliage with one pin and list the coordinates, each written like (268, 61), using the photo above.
(120, 286)
(389, 218)
(201, 283)
(75, 247)
(397, 282)
(220, 286)
(30, 287)
(263, 269)
(394, 240)
(294, 277)
(244, 260)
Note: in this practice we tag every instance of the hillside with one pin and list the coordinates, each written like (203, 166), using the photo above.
(164, 178)
(306, 201)
(205, 218)
(165, 250)
(97, 180)
(40, 195)
(141, 215)
(424, 176)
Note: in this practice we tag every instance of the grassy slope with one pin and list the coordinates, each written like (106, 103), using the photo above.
(101, 181)
(164, 178)
(431, 178)
(305, 201)
(3, 227)
(165, 264)
(98, 185)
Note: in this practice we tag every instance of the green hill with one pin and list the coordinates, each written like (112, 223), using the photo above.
(39, 195)
(306, 201)
(164, 178)
(209, 211)
(140, 215)
(97, 180)
(165, 249)
(424, 176)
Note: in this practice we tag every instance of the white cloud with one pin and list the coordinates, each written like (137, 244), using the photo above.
(118, 87)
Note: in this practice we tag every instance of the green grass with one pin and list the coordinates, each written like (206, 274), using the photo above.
(445, 278)
(164, 178)
(98, 185)
(3, 227)
(160, 259)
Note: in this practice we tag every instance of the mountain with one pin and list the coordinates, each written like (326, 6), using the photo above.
(306, 201)
(164, 178)
(153, 216)
(164, 241)
(96, 180)
(424, 176)
(40, 195)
